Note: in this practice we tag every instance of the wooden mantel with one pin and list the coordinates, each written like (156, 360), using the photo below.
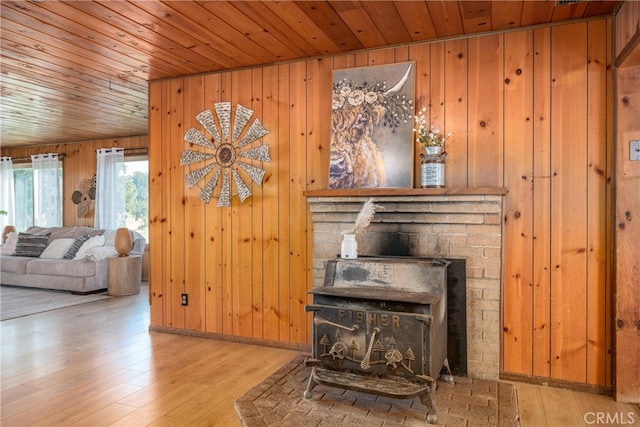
(381, 192)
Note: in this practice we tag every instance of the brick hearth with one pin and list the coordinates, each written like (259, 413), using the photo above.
(467, 226)
(278, 401)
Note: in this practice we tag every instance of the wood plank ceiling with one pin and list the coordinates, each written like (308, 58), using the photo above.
(78, 70)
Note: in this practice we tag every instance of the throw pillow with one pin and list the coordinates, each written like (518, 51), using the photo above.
(57, 248)
(109, 237)
(31, 245)
(93, 242)
(73, 250)
(101, 252)
(9, 246)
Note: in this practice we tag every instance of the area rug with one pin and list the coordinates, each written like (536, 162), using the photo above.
(278, 401)
(17, 301)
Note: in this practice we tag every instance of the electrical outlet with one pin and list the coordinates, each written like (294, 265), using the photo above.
(185, 299)
(634, 150)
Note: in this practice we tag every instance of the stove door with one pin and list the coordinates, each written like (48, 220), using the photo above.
(372, 341)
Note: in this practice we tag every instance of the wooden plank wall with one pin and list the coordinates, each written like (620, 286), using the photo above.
(627, 210)
(528, 110)
(627, 231)
(79, 163)
(627, 23)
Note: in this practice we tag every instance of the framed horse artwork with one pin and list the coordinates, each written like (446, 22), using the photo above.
(372, 127)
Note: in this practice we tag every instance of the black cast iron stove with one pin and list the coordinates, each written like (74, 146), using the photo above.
(379, 326)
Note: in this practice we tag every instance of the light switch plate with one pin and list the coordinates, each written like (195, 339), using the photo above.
(634, 150)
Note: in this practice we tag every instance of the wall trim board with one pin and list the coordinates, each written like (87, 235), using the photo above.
(550, 382)
(305, 348)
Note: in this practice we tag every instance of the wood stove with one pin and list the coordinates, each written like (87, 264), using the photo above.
(379, 326)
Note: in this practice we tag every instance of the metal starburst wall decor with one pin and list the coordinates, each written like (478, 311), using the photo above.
(225, 158)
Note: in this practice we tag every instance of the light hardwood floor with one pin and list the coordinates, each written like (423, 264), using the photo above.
(550, 406)
(97, 364)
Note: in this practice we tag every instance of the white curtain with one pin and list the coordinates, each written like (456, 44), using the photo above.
(110, 189)
(47, 203)
(7, 195)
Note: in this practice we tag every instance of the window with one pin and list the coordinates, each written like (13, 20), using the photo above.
(137, 189)
(23, 186)
(136, 185)
(24, 194)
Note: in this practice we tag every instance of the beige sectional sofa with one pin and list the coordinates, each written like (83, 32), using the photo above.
(88, 270)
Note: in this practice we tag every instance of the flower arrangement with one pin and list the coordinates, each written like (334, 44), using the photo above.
(428, 136)
(369, 96)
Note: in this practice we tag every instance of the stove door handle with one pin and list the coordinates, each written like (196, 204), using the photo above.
(318, 320)
(365, 362)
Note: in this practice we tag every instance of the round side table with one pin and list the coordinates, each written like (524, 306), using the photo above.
(124, 275)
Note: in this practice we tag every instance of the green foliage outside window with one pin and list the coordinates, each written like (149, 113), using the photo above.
(137, 196)
(137, 189)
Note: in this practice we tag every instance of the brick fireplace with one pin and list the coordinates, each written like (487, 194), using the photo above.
(464, 223)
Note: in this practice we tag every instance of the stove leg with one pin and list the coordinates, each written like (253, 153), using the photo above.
(432, 419)
(428, 399)
(310, 386)
(447, 377)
